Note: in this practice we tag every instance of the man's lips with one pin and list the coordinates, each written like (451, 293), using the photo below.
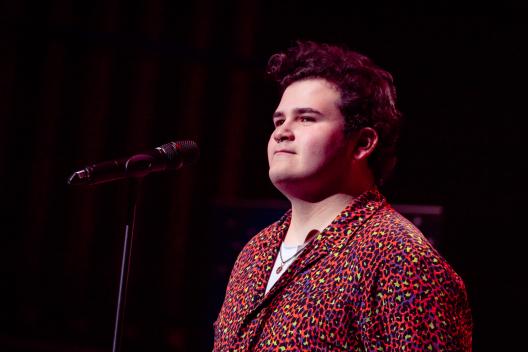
(284, 151)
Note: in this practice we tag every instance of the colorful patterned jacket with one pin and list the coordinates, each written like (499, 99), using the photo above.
(369, 282)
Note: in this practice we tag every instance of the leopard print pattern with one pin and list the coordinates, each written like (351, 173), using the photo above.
(369, 282)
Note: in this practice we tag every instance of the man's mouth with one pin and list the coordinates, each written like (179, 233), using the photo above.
(285, 151)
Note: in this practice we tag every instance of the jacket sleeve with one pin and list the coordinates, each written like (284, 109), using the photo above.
(418, 303)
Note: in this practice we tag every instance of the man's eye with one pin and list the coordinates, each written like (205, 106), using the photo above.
(277, 123)
(306, 119)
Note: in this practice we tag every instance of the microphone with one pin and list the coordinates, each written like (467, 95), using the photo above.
(170, 156)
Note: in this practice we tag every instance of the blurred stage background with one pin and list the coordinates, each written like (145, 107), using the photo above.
(87, 81)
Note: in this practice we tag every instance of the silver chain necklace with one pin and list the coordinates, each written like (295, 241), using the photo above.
(279, 269)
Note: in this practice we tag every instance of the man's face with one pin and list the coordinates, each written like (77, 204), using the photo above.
(307, 150)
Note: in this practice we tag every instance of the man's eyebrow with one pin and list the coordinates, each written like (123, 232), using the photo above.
(307, 110)
(298, 111)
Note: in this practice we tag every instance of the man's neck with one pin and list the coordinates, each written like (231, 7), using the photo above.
(309, 216)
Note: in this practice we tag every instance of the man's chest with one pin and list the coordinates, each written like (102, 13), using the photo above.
(316, 307)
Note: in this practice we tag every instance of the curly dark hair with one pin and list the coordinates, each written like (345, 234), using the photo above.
(367, 92)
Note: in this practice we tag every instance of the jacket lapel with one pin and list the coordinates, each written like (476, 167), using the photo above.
(269, 243)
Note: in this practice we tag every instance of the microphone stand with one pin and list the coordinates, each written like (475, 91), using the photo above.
(172, 155)
(133, 195)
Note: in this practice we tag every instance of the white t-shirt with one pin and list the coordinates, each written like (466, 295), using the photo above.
(287, 253)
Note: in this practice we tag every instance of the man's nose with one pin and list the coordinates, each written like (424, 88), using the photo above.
(283, 133)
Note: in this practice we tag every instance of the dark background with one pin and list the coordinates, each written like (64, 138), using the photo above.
(86, 81)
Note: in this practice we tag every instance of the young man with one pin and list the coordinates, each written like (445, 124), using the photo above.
(342, 270)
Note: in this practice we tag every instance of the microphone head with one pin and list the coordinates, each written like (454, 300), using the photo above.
(172, 155)
(181, 153)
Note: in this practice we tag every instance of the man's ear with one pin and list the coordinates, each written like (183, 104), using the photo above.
(366, 142)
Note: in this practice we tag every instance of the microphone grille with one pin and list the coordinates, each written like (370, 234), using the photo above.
(181, 152)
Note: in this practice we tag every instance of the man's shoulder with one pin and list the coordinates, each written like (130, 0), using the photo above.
(252, 253)
(389, 225)
(388, 236)
(391, 240)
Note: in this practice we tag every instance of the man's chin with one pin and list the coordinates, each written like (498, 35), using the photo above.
(282, 178)
(290, 185)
